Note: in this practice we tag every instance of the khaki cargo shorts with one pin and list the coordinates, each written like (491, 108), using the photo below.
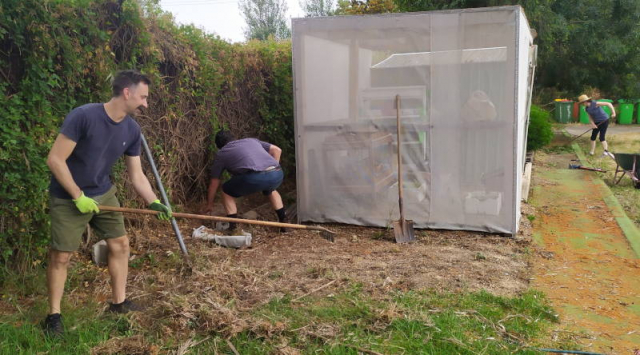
(68, 224)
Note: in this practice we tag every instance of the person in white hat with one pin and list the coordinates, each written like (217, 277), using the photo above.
(599, 121)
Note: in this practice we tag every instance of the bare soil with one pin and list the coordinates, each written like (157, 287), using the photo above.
(221, 287)
(299, 261)
(582, 262)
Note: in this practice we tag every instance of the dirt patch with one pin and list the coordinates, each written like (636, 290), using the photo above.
(221, 289)
(583, 261)
(135, 345)
(452, 261)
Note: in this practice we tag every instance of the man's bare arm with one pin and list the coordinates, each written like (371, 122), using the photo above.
(57, 163)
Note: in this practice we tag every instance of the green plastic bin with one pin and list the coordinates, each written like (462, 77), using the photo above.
(562, 112)
(625, 116)
(584, 116)
(606, 109)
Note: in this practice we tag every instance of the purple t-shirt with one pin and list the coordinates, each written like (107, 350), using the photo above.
(100, 141)
(242, 156)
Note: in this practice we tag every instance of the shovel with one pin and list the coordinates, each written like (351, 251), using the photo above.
(324, 233)
(402, 229)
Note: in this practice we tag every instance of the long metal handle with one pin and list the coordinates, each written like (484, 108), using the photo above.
(587, 131)
(165, 200)
(400, 193)
(215, 218)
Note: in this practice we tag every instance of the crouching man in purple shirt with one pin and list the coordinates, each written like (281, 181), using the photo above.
(254, 166)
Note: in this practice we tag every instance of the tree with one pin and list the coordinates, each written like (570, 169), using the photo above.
(265, 18)
(602, 47)
(316, 8)
(429, 5)
(358, 7)
(581, 43)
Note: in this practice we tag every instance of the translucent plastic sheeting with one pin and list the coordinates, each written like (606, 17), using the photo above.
(462, 77)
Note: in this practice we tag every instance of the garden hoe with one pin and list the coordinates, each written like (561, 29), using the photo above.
(324, 233)
(402, 229)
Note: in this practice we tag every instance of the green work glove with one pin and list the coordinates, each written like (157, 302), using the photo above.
(165, 212)
(86, 204)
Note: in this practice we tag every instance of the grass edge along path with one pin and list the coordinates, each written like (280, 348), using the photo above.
(586, 265)
(629, 229)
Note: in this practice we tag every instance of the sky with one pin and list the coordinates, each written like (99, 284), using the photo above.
(221, 17)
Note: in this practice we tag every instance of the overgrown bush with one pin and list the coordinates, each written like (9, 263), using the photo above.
(56, 55)
(540, 131)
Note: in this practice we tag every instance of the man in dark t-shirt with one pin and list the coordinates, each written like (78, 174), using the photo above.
(254, 166)
(92, 138)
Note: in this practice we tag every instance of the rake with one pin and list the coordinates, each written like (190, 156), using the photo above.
(324, 233)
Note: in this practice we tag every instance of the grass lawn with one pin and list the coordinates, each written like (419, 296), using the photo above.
(349, 321)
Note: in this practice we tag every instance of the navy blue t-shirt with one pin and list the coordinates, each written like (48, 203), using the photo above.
(100, 141)
(242, 156)
(597, 112)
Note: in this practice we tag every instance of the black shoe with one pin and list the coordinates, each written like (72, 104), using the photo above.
(53, 325)
(124, 307)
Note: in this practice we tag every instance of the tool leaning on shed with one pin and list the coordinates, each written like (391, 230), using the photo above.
(402, 228)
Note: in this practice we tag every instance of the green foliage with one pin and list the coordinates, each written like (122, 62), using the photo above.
(356, 7)
(540, 129)
(315, 8)
(584, 43)
(265, 18)
(276, 107)
(596, 44)
(57, 55)
(429, 5)
(44, 76)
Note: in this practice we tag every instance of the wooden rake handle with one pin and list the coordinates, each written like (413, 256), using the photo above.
(215, 218)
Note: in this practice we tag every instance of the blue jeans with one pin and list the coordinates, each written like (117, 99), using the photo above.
(247, 184)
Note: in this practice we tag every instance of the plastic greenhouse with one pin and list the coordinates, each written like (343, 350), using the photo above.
(464, 78)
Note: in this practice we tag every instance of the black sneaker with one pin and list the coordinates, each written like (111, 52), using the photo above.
(53, 325)
(124, 307)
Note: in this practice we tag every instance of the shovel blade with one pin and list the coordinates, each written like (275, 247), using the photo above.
(403, 231)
